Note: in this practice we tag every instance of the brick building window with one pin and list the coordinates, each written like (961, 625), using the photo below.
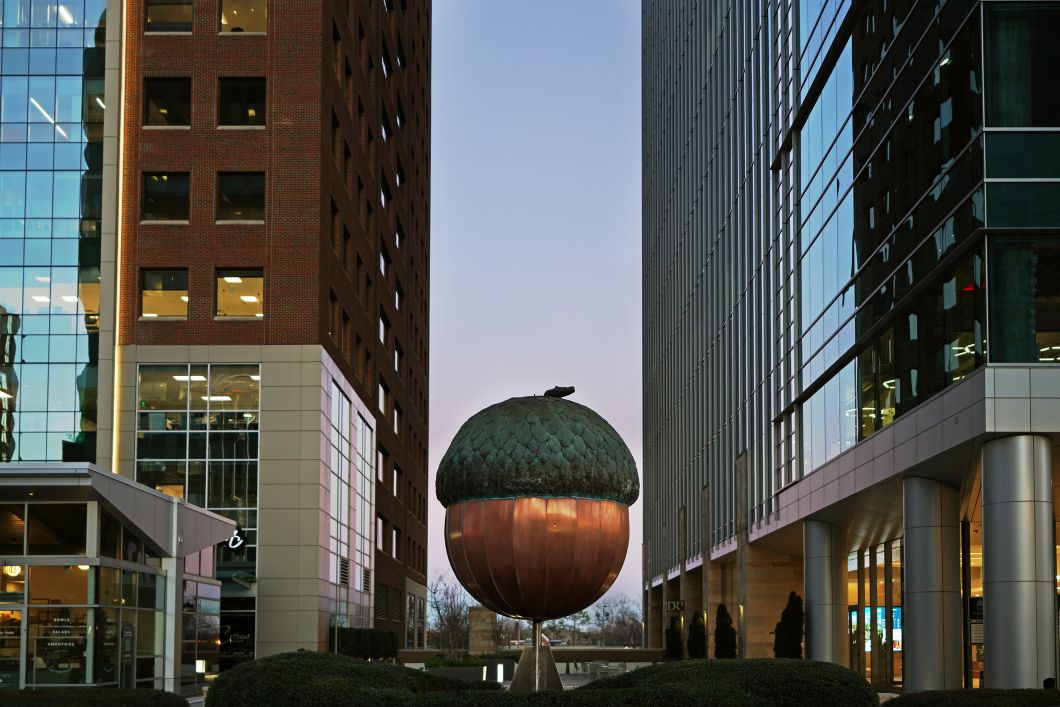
(164, 293)
(241, 197)
(167, 102)
(241, 102)
(240, 293)
(165, 196)
(244, 16)
(168, 16)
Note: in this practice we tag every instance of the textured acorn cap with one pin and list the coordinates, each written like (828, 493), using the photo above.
(537, 446)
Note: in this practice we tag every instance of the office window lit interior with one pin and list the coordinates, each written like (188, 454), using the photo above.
(240, 293)
(164, 293)
(244, 16)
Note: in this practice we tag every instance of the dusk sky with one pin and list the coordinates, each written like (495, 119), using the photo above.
(535, 229)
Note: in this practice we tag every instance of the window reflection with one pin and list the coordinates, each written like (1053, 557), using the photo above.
(51, 96)
(168, 16)
(1022, 64)
(56, 528)
(937, 341)
(241, 196)
(165, 196)
(1024, 300)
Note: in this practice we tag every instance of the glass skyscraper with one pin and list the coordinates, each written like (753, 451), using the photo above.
(851, 233)
(51, 163)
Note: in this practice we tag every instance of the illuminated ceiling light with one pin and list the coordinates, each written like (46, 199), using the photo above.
(83, 568)
(185, 379)
(233, 280)
(163, 111)
(248, 415)
(69, 298)
(42, 278)
(217, 398)
(65, 15)
(251, 112)
(255, 378)
(100, 102)
(150, 314)
(47, 117)
(259, 314)
(40, 298)
(183, 298)
(13, 570)
(248, 298)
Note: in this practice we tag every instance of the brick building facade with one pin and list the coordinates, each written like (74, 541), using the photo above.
(327, 104)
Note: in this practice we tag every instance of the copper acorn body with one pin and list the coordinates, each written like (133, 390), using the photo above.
(537, 493)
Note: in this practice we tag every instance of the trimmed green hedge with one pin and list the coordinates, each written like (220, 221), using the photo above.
(308, 678)
(92, 697)
(765, 681)
(305, 678)
(978, 698)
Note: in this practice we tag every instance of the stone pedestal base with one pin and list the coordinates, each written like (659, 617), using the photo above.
(523, 682)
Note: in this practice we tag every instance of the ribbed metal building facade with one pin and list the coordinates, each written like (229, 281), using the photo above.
(851, 283)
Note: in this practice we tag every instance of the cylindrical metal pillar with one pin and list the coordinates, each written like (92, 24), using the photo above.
(824, 576)
(1019, 562)
(932, 627)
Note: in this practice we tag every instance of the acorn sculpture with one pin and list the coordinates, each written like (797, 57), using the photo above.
(537, 493)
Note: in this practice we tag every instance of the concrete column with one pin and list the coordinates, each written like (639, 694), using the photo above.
(1019, 562)
(932, 628)
(824, 576)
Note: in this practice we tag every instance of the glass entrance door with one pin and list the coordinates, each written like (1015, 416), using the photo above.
(10, 649)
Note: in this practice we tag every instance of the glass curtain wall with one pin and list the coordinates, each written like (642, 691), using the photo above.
(51, 150)
(888, 191)
(197, 439)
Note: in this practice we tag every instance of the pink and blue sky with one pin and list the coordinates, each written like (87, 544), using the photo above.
(535, 226)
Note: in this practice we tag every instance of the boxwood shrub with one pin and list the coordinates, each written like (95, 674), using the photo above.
(308, 678)
(977, 698)
(92, 697)
(305, 678)
(763, 681)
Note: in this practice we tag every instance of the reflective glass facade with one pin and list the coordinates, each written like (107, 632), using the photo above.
(51, 117)
(848, 208)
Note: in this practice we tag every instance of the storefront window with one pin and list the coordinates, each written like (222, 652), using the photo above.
(57, 528)
(12, 529)
(875, 617)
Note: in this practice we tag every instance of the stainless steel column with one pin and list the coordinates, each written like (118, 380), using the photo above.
(931, 631)
(1019, 562)
(824, 576)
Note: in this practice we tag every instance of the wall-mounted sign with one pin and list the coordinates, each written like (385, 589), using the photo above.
(238, 541)
(678, 605)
